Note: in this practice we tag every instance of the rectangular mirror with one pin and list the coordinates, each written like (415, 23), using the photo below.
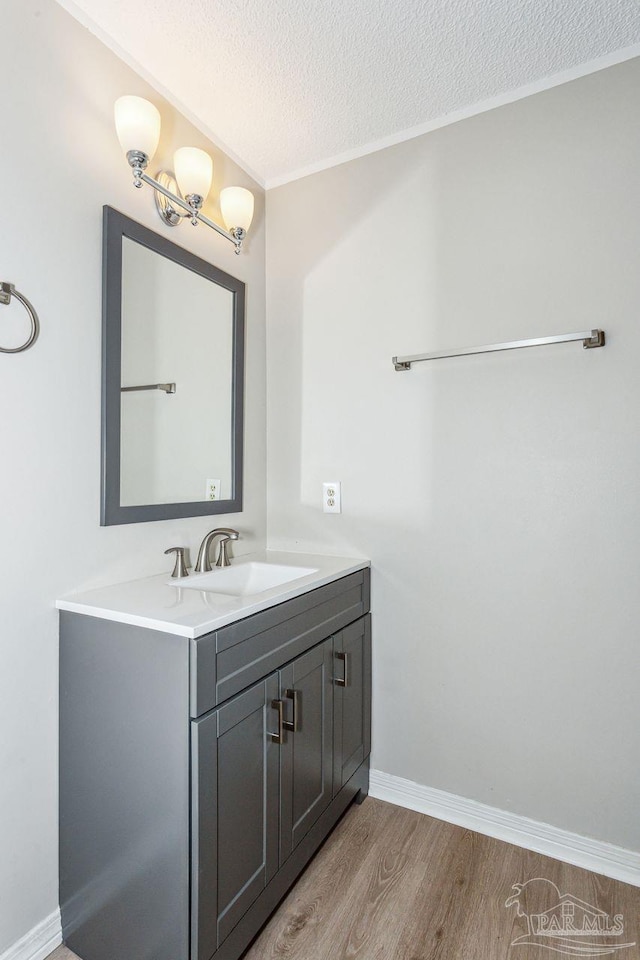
(172, 381)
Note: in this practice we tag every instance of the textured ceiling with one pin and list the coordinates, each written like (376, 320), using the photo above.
(287, 85)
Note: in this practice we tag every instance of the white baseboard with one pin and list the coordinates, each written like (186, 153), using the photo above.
(38, 942)
(595, 855)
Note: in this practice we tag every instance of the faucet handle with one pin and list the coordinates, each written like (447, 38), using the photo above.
(180, 567)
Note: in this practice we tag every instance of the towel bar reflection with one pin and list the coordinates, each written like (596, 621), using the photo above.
(590, 340)
(7, 290)
(167, 387)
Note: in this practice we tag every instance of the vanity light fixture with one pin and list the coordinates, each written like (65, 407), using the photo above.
(182, 195)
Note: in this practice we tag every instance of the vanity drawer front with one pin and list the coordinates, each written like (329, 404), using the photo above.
(225, 662)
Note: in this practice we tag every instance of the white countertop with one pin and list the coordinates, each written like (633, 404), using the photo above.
(162, 604)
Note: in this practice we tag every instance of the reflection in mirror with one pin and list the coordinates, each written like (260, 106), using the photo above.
(177, 328)
(172, 381)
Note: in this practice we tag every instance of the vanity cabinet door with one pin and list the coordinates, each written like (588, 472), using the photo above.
(306, 761)
(352, 693)
(235, 769)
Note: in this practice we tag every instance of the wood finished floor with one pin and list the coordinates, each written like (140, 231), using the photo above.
(391, 884)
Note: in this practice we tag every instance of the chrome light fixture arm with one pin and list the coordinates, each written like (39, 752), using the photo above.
(138, 162)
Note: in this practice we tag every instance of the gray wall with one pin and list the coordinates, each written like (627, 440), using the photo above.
(60, 162)
(497, 496)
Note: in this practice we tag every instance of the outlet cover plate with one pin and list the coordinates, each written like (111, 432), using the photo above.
(212, 490)
(331, 497)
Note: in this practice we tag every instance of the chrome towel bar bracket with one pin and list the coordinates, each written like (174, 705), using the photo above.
(7, 291)
(590, 339)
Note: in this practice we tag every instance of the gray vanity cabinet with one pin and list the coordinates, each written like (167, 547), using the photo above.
(235, 815)
(255, 798)
(307, 775)
(352, 700)
(199, 776)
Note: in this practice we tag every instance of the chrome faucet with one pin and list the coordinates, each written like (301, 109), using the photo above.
(203, 563)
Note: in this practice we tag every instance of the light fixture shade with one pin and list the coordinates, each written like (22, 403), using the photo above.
(236, 207)
(194, 171)
(137, 125)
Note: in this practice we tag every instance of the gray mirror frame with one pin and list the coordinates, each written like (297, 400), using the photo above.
(116, 226)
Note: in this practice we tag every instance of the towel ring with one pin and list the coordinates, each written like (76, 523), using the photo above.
(7, 290)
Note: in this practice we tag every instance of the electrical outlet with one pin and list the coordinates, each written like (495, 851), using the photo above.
(212, 490)
(331, 498)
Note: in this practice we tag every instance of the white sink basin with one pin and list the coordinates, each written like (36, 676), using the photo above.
(243, 579)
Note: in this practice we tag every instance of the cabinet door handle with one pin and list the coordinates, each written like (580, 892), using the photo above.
(344, 680)
(293, 723)
(279, 736)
